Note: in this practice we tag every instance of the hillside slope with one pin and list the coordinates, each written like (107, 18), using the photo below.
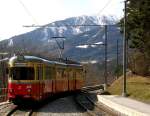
(138, 87)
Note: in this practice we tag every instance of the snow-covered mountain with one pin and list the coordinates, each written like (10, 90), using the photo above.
(77, 32)
(64, 28)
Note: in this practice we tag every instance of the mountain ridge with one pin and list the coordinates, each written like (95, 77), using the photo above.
(41, 41)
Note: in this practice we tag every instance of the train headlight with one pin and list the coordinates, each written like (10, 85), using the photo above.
(29, 90)
(11, 90)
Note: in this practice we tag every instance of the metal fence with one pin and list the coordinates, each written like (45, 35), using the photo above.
(3, 94)
(3, 82)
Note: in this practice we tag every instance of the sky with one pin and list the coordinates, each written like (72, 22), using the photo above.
(16, 13)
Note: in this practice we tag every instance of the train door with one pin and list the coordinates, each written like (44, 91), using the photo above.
(74, 80)
(70, 77)
(79, 79)
(68, 70)
(39, 81)
(58, 79)
(48, 80)
(71, 80)
(54, 77)
(65, 80)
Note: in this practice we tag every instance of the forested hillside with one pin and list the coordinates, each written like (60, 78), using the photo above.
(138, 35)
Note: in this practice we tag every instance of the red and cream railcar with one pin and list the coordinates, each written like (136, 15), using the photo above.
(34, 78)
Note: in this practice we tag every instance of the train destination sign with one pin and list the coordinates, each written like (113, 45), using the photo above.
(20, 64)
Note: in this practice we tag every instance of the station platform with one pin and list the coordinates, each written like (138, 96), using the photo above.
(125, 106)
(2, 103)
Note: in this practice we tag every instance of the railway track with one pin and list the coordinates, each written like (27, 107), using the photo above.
(9, 109)
(98, 88)
(94, 87)
(6, 108)
(85, 101)
(20, 112)
(3, 104)
(82, 98)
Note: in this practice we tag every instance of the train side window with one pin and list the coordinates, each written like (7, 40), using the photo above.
(65, 73)
(62, 71)
(62, 74)
(53, 73)
(39, 73)
(77, 74)
(70, 74)
(74, 74)
(59, 73)
(7, 70)
(48, 73)
(22, 73)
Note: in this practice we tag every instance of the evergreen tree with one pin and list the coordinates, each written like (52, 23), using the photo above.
(138, 28)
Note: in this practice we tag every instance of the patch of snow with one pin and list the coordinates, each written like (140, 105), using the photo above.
(82, 46)
(118, 28)
(99, 43)
(87, 29)
(103, 37)
(78, 31)
(62, 29)
(45, 31)
(53, 24)
(94, 36)
(93, 46)
(108, 60)
(11, 43)
(84, 62)
(91, 62)
(53, 29)
(81, 20)
(85, 35)
(51, 41)
(103, 20)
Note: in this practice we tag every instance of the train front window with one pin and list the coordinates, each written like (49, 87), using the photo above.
(22, 73)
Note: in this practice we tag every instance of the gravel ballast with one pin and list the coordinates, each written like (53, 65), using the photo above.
(61, 107)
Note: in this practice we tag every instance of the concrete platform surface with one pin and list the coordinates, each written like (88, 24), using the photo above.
(125, 105)
(2, 103)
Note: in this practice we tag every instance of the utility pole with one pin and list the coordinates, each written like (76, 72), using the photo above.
(105, 73)
(61, 48)
(117, 59)
(3, 68)
(124, 92)
(24, 47)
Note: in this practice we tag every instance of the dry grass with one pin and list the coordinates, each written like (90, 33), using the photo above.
(138, 87)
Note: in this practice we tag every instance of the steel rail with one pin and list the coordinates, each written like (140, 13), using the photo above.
(88, 106)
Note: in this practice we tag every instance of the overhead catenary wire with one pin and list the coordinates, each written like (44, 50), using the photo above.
(105, 6)
(28, 12)
(49, 26)
(33, 18)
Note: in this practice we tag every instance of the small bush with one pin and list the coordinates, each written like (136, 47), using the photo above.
(139, 64)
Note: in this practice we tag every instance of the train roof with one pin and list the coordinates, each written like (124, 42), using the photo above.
(63, 62)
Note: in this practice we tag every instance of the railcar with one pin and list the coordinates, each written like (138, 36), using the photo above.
(34, 79)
